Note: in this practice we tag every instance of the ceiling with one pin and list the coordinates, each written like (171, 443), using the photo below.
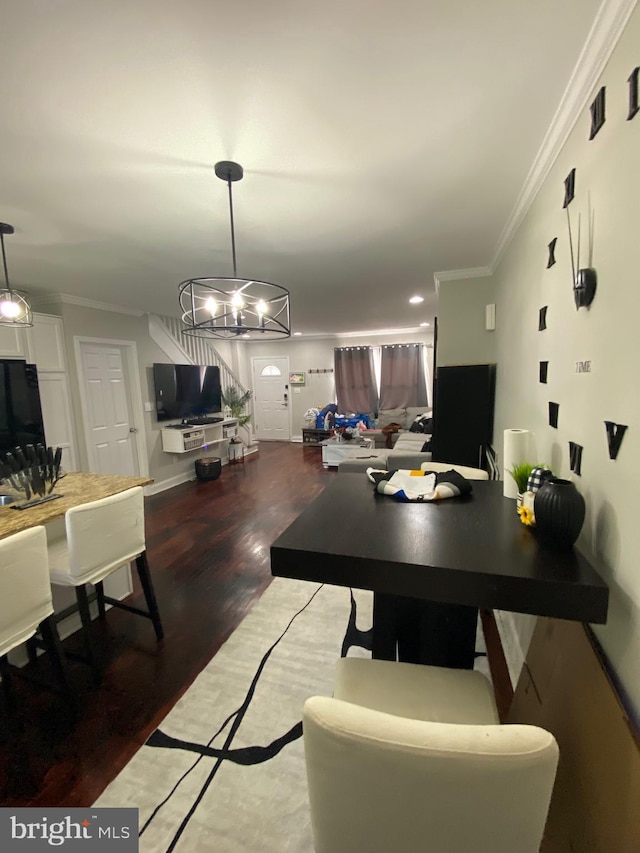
(381, 142)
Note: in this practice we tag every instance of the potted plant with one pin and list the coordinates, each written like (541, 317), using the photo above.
(521, 474)
(236, 402)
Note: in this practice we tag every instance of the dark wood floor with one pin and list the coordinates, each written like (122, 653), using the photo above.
(208, 547)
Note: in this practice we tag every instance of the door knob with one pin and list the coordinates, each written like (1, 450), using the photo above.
(133, 429)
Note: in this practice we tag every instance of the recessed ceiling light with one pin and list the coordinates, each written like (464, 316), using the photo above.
(297, 333)
(425, 324)
(415, 300)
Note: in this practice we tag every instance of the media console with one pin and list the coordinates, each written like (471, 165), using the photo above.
(183, 438)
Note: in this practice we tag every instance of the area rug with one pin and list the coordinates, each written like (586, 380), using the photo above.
(225, 770)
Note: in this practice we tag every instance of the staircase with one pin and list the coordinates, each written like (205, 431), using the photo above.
(186, 349)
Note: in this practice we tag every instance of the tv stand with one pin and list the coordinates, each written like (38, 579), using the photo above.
(183, 438)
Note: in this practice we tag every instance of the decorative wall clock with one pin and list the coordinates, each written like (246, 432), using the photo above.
(584, 280)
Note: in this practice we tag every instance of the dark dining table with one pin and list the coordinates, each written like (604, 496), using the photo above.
(431, 565)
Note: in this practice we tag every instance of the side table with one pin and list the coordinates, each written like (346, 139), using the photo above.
(236, 452)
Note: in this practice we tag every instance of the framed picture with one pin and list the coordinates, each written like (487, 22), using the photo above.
(296, 379)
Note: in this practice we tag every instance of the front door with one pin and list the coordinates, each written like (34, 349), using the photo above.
(107, 408)
(271, 391)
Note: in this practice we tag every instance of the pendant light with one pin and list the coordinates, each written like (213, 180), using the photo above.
(15, 308)
(232, 307)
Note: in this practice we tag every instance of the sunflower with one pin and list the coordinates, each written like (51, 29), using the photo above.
(526, 516)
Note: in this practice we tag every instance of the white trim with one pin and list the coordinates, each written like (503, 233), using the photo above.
(162, 485)
(289, 393)
(607, 28)
(69, 299)
(411, 330)
(455, 275)
(135, 390)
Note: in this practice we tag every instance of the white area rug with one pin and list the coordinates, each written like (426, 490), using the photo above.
(189, 802)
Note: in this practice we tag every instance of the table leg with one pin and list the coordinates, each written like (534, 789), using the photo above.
(417, 631)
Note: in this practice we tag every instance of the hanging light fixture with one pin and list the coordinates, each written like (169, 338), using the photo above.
(221, 307)
(15, 309)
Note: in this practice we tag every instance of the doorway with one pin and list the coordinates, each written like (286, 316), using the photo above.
(112, 408)
(271, 398)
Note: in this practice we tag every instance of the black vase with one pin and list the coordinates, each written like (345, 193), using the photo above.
(559, 510)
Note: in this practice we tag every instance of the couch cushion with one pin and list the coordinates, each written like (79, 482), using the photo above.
(411, 441)
(392, 416)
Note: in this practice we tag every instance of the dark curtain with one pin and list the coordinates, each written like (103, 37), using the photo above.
(402, 377)
(355, 380)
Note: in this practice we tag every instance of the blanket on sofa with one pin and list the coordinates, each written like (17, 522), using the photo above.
(407, 486)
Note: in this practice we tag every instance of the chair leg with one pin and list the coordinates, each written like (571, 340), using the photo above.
(51, 639)
(102, 610)
(87, 631)
(142, 565)
(7, 686)
(32, 649)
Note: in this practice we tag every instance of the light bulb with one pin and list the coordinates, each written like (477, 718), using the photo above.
(10, 309)
(236, 300)
(261, 307)
(211, 305)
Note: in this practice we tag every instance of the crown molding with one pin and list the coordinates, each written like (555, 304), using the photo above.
(412, 330)
(605, 32)
(607, 28)
(69, 299)
(455, 275)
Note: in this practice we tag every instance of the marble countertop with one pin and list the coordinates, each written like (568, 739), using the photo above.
(75, 489)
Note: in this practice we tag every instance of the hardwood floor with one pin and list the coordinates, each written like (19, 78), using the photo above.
(208, 547)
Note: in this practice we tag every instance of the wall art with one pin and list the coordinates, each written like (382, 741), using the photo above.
(575, 458)
(597, 112)
(554, 411)
(615, 434)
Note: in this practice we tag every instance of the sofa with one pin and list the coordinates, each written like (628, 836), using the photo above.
(404, 417)
(407, 452)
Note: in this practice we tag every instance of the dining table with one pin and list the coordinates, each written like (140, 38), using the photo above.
(432, 564)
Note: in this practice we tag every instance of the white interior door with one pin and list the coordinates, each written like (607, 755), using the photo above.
(109, 426)
(271, 403)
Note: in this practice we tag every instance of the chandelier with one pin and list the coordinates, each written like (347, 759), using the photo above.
(229, 307)
(15, 309)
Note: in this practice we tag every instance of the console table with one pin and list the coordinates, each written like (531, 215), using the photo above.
(314, 436)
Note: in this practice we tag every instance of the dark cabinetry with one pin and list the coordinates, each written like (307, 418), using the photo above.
(463, 413)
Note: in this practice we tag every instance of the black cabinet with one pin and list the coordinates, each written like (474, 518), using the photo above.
(463, 413)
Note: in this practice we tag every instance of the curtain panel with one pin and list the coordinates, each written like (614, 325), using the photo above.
(356, 389)
(402, 378)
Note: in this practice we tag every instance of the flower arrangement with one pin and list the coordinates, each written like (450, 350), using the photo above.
(526, 515)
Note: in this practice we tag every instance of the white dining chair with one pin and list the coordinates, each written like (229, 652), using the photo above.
(413, 758)
(465, 470)
(101, 537)
(26, 606)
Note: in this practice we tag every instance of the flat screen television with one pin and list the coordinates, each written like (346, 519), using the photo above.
(20, 409)
(186, 390)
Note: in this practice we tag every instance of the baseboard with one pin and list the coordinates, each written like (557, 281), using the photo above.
(163, 485)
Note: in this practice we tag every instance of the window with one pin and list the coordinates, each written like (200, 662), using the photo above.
(270, 370)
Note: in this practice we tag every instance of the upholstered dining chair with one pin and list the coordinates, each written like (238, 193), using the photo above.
(413, 758)
(26, 606)
(101, 537)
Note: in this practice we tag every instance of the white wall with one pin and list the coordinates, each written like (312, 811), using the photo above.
(305, 354)
(607, 191)
(462, 336)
